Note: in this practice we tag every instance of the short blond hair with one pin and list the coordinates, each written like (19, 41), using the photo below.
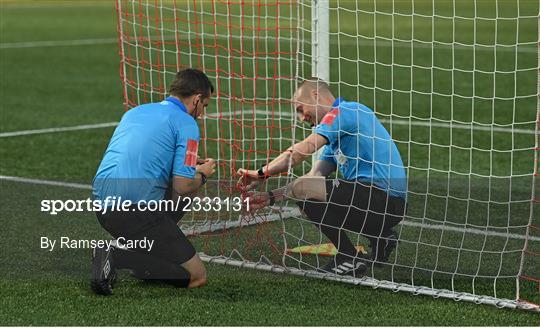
(314, 83)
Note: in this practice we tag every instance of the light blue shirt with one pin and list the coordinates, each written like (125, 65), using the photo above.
(362, 148)
(148, 147)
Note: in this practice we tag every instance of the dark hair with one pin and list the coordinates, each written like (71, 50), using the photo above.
(189, 82)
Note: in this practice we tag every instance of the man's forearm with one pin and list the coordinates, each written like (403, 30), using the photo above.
(294, 155)
(284, 192)
(197, 184)
(190, 189)
(281, 163)
(281, 193)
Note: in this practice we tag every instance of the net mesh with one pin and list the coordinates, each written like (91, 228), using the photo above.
(455, 83)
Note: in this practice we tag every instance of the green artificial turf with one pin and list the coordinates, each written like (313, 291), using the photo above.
(65, 85)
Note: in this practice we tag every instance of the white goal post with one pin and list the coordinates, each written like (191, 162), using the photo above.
(455, 83)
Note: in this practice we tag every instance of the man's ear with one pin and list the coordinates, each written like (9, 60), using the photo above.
(315, 95)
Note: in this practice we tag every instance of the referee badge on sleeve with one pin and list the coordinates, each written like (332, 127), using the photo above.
(191, 153)
(330, 117)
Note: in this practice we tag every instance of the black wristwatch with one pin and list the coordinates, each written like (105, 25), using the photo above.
(261, 174)
(203, 178)
(272, 198)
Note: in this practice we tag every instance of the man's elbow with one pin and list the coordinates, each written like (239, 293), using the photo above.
(294, 156)
(313, 173)
(186, 187)
(297, 157)
(187, 191)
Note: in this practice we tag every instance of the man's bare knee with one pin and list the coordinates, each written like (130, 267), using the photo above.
(309, 187)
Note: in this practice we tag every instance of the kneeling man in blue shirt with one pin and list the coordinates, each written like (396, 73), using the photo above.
(368, 199)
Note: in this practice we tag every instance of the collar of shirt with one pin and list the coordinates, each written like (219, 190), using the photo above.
(177, 103)
(337, 102)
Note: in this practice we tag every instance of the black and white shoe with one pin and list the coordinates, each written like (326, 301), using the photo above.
(344, 266)
(382, 247)
(103, 271)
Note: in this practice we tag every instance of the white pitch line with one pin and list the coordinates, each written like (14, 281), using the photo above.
(291, 212)
(384, 43)
(56, 43)
(454, 125)
(460, 126)
(441, 227)
(55, 4)
(60, 129)
(475, 231)
(46, 182)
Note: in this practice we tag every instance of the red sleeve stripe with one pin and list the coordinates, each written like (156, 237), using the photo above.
(330, 117)
(191, 153)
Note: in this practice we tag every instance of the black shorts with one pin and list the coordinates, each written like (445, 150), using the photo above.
(170, 243)
(358, 207)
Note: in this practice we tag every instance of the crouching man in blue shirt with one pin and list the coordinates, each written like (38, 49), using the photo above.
(369, 199)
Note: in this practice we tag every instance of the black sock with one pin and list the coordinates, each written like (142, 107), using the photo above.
(330, 225)
(151, 267)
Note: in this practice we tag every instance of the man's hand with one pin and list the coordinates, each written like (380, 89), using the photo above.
(257, 200)
(249, 179)
(208, 167)
(289, 158)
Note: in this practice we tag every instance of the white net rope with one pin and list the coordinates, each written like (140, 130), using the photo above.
(454, 83)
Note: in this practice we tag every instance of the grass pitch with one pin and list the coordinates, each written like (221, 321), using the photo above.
(57, 85)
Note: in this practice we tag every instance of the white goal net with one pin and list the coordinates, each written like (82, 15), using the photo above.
(455, 83)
